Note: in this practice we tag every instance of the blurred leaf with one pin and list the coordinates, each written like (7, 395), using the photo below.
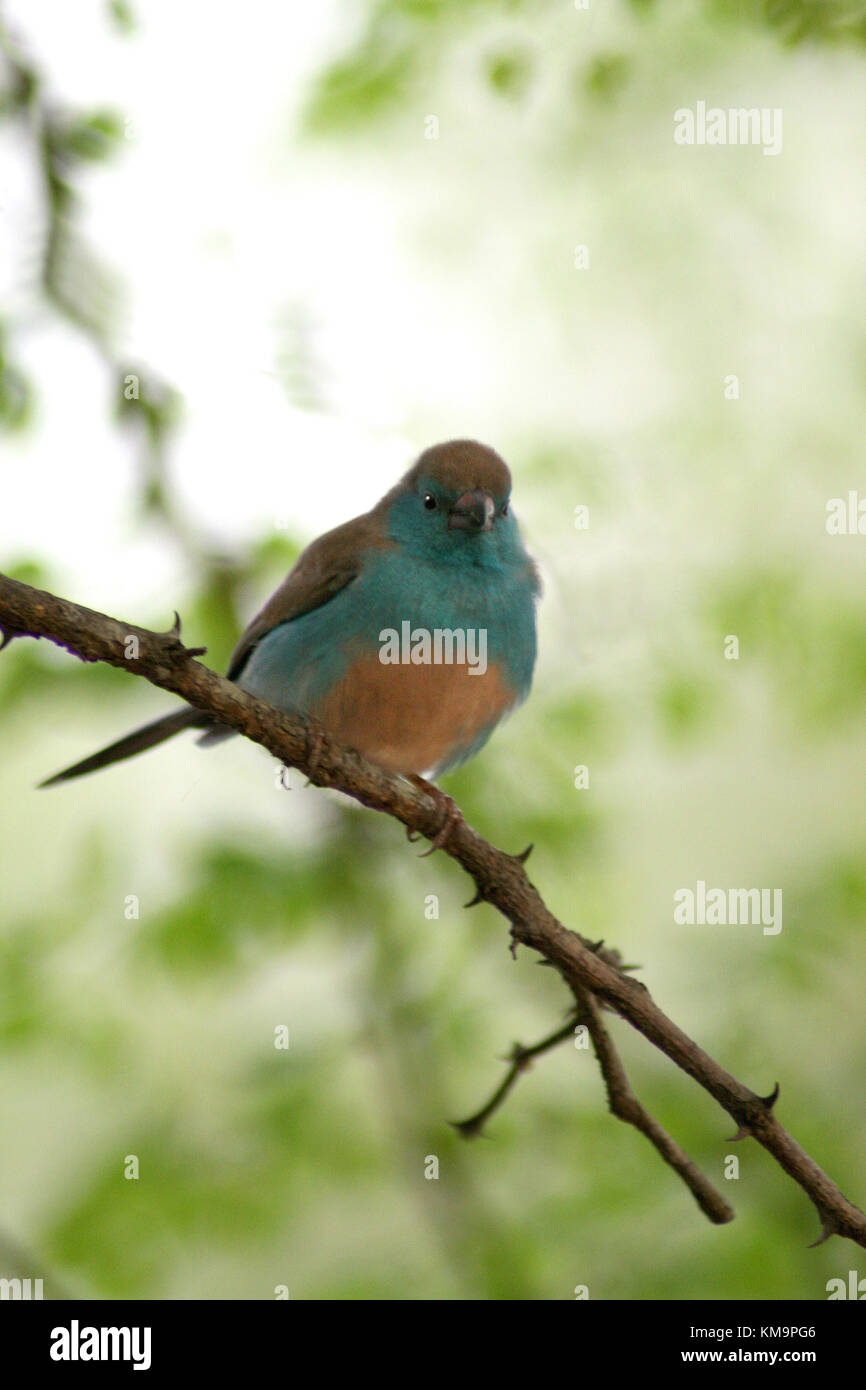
(275, 552)
(144, 399)
(85, 290)
(119, 1232)
(823, 21)
(30, 571)
(812, 645)
(235, 897)
(123, 15)
(685, 701)
(360, 87)
(17, 91)
(92, 137)
(606, 76)
(509, 72)
(16, 398)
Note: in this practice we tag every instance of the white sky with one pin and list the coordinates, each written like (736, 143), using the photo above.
(215, 224)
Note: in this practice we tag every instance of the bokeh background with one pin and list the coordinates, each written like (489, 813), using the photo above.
(240, 288)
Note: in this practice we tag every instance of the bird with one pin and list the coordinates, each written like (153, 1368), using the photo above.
(408, 632)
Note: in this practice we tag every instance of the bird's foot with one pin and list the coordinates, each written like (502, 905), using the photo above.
(451, 814)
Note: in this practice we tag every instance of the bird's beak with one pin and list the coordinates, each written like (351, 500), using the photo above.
(474, 511)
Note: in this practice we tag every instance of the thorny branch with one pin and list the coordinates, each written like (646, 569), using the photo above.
(500, 879)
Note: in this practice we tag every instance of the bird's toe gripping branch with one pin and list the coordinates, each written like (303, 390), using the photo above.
(452, 816)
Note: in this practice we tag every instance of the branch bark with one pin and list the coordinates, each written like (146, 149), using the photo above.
(500, 878)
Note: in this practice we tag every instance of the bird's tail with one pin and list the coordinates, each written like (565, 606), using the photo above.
(136, 742)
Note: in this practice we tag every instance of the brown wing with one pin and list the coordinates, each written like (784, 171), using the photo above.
(321, 571)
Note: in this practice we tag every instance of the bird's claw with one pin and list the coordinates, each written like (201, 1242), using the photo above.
(451, 815)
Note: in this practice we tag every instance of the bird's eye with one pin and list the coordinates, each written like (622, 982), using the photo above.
(429, 501)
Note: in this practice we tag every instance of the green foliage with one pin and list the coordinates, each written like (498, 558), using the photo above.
(118, 1230)
(403, 38)
(394, 54)
(234, 898)
(800, 21)
(123, 15)
(810, 643)
(509, 72)
(607, 75)
(361, 87)
(92, 137)
(16, 392)
(150, 404)
(685, 702)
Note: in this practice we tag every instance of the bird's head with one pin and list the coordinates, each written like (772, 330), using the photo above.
(454, 504)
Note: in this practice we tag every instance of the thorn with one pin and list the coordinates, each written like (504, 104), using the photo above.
(473, 902)
(173, 634)
(412, 836)
(769, 1101)
(513, 947)
(9, 635)
(742, 1133)
(468, 1129)
(524, 855)
(829, 1227)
